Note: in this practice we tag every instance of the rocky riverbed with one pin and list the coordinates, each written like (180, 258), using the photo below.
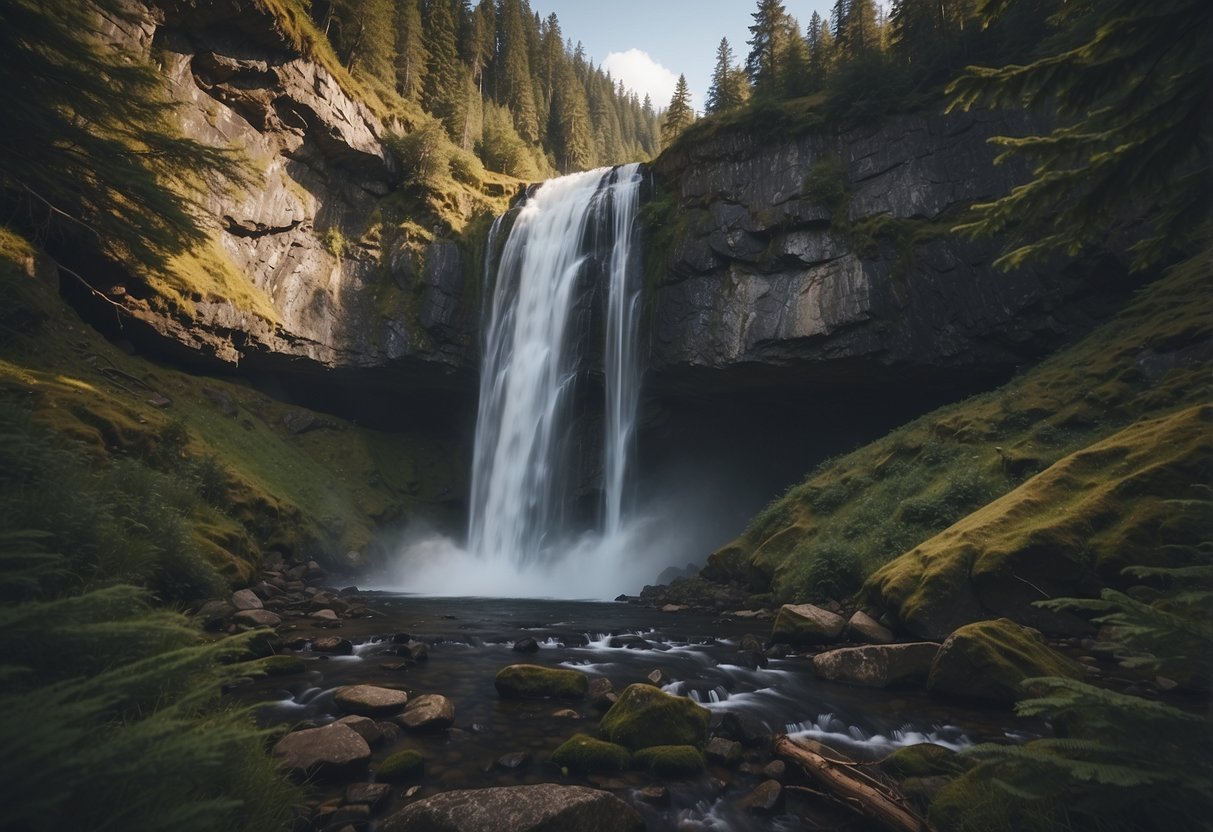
(410, 713)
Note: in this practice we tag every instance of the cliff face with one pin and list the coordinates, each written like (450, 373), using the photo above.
(325, 295)
(760, 284)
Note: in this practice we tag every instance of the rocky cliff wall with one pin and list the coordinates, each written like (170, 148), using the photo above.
(759, 284)
(326, 297)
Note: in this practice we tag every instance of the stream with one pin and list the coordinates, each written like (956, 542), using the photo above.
(470, 639)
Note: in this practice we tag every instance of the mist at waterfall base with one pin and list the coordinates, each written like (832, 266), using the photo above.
(570, 241)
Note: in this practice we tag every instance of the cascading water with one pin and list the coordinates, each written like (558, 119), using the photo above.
(525, 441)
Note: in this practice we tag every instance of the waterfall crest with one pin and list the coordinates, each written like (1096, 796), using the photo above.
(526, 449)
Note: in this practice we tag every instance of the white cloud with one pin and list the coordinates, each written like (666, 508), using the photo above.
(638, 71)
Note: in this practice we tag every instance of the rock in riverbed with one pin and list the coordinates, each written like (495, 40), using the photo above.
(331, 752)
(543, 808)
(370, 700)
(428, 713)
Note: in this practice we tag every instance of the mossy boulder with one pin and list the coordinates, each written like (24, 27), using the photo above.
(531, 681)
(670, 760)
(280, 665)
(401, 767)
(925, 759)
(988, 660)
(806, 624)
(584, 754)
(1065, 532)
(646, 716)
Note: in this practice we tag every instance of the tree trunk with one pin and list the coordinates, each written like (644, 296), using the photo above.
(851, 788)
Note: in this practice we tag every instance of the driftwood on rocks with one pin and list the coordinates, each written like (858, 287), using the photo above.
(847, 785)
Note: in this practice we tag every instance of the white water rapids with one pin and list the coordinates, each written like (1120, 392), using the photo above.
(523, 538)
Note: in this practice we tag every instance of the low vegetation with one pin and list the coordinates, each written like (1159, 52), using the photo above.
(858, 512)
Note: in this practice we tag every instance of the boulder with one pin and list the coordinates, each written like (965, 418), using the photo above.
(646, 716)
(370, 700)
(257, 618)
(431, 712)
(806, 624)
(723, 751)
(878, 665)
(865, 628)
(374, 795)
(764, 799)
(526, 644)
(333, 644)
(401, 766)
(583, 754)
(246, 599)
(988, 660)
(531, 681)
(331, 752)
(600, 693)
(546, 807)
(364, 727)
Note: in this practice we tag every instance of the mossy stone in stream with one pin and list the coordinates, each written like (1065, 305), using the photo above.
(280, 665)
(924, 759)
(989, 659)
(973, 802)
(401, 766)
(645, 716)
(585, 754)
(530, 681)
(670, 760)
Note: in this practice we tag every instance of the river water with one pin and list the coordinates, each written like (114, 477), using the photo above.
(471, 639)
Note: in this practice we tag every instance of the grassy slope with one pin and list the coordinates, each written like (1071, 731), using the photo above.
(858, 512)
(320, 493)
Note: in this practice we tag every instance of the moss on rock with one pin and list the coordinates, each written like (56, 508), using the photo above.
(532, 681)
(671, 760)
(588, 755)
(646, 716)
(890, 498)
(924, 759)
(989, 659)
(1064, 532)
(280, 665)
(401, 767)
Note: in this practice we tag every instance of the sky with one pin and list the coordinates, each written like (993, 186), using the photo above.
(647, 43)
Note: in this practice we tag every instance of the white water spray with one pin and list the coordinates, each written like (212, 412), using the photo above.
(528, 446)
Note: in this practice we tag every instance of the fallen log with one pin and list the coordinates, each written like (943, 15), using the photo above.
(848, 786)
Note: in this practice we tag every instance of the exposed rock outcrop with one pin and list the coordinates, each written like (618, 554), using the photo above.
(309, 286)
(761, 284)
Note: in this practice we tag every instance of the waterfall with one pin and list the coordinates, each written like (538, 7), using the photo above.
(526, 447)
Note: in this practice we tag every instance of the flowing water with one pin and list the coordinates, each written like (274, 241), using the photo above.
(470, 640)
(570, 242)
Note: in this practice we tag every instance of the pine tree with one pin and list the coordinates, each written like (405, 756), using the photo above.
(679, 115)
(569, 134)
(373, 55)
(517, 87)
(820, 41)
(719, 98)
(1130, 159)
(411, 54)
(445, 90)
(795, 80)
(860, 32)
(762, 64)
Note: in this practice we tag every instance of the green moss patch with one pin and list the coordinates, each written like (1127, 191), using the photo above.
(923, 760)
(671, 760)
(532, 681)
(280, 665)
(988, 660)
(858, 512)
(1064, 532)
(401, 767)
(645, 716)
(254, 484)
(585, 755)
